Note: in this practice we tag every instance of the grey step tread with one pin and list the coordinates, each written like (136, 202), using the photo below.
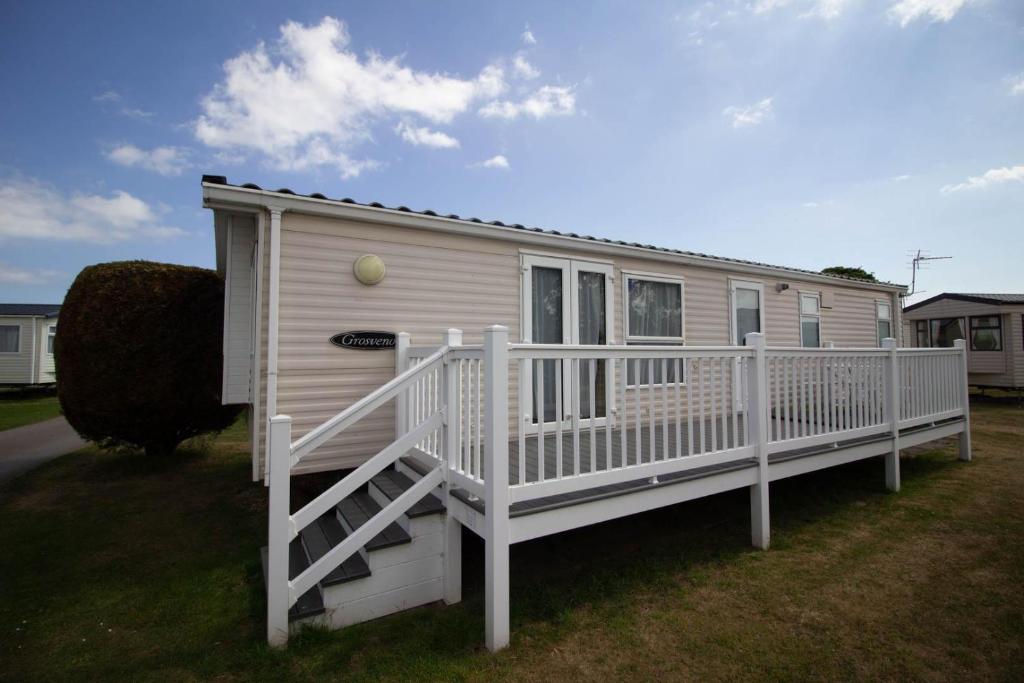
(320, 537)
(310, 603)
(358, 508)
(393, 483)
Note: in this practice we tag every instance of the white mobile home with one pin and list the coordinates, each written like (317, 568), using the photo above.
(27, 332)
(993, 324)
(521, 382)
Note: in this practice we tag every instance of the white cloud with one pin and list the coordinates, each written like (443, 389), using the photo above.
(523, 69)
(1016, 84)
(497, 161)
(753, 115)
(993, 176)
(107, 96)
(907, 11)
(527, 37)
(167, 161)
(424, 136)
(810, 205)
(33, 210)
(900, 178)
(310, 99)
(13, 275)
(137, 114)
(549, 100)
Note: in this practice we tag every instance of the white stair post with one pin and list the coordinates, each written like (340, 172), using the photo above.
(280, 440)
(892, 413)
(965, 436)
(496, 524)
(757, 419)
(401, 401)
(452, 528)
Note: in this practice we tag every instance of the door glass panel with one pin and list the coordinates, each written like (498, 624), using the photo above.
(592, 330)
(547, 329)
(748, 313)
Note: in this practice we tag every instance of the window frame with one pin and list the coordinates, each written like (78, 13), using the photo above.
(51, 334)
(879, 319)
(971, 328)
(801, 315)
(734, 284)
(18, 328)
(646, 340)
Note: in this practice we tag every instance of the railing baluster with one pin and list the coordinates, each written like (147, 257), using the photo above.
(636, 413)
(541, 417)
(559, 414)
(574, 372)
(652, 444)
(478, 465)
(726, 390)
(623, 412)
(679, 426)
(523, 418)
(467, 409)
(609, 396)
(701, 404)
(664, 409)
(592, 414)
(689, 406)
(714, 405)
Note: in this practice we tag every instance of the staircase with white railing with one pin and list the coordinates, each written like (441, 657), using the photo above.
(386, 537)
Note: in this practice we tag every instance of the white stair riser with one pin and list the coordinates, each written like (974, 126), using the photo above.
(382, 604)
(418, 548)
(383, 580)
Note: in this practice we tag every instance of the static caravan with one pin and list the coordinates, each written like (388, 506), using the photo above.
(519, 382)
(27, 332)
(993, 324)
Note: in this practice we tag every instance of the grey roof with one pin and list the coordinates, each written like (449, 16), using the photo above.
(222, 180)
(45, 310)
(992, 299)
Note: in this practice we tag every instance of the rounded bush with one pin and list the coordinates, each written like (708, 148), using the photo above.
(139, 352)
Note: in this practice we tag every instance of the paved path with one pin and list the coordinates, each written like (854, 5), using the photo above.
(23, 448)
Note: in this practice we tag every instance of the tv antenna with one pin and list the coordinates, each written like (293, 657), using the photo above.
(916, 264)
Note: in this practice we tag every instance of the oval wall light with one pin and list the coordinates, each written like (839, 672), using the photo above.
(369, 269)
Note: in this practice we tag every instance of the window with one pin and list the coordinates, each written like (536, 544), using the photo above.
(986, 333)
(10, 338)
(654, 316)
(923, 342)
(810, 320)
(883, 317)
(49, 338)
(944, 331)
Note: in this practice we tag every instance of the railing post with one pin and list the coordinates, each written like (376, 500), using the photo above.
(402, 400)
(280, 438)
(965, 436)
(496, 562)
(452, 528)
(757, 416)
(892, 413)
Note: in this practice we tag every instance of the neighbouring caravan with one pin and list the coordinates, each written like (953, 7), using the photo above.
(449, 272)
(993, 324)
(512, 382)
(27, 332)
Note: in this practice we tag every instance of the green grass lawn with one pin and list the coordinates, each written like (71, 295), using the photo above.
(119, 567)
(18, 409)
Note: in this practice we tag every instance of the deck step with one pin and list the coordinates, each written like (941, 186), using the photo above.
(358, 508)
(393, 483)
(320, 537)
(310, 603)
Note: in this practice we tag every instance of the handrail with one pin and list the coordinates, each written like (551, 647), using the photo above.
(317, 436)
(607, 351)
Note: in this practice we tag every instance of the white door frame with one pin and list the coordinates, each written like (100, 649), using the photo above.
(571, 268)
(737, 385)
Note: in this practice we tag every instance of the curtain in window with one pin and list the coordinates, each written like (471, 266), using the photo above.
(945, 331)
(9, 338)
(655, 309)
(592, 331)
(547, 329)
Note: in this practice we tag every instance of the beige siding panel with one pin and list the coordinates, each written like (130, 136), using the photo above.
(16, 368)
(436, 281)
(238, 330)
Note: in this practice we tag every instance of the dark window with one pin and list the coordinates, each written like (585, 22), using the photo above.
(945, 331)
(923, 341)
(986, 333)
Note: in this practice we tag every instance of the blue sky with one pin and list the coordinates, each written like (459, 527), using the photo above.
(805, 133)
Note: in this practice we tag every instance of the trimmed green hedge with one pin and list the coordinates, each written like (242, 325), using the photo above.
(139, 353)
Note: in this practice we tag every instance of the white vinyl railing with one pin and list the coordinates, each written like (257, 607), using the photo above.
(591, 416)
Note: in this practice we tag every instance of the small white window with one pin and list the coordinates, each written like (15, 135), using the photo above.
(810, 320)
(883, 316)
(51, 334)
(10, 338)
(654, 317)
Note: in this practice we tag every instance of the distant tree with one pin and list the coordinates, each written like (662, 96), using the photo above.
(139, 354)
(845, 271)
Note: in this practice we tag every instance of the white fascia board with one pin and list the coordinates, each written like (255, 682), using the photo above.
(243, 198)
